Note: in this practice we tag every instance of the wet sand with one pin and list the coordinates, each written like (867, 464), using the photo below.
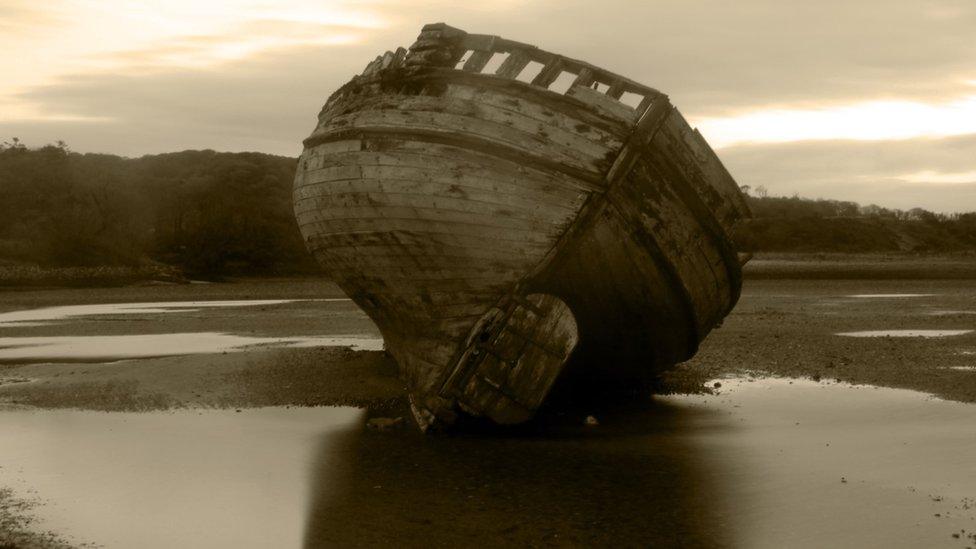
(748, 466)
(790, 328)
(780, 327)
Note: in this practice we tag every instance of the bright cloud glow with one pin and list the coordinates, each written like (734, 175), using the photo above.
(88, 36)
(929, 176)
(872, 120)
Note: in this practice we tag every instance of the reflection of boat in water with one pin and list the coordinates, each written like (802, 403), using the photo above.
(493, 206)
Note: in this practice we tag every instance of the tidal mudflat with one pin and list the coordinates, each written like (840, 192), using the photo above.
(790, 328)
(755, 454)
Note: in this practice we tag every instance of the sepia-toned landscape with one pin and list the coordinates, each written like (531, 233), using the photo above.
(501, 291)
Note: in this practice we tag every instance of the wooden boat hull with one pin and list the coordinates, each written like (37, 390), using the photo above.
(492, 227)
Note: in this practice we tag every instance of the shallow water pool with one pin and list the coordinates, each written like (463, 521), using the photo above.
(119, 347)
(46, 315)
(770, 463)
(213, 478)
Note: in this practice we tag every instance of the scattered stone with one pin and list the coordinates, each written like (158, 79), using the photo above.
(717, 385)
(384, 423)
(843, 480)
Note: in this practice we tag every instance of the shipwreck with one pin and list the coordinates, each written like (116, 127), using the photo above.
(498, 209)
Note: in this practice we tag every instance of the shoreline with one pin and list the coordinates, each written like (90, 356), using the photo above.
(764, 265)
(782, 327)
(785, 327)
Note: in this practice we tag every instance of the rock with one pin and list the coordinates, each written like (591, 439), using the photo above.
(717, 385)
(591, 421)
(384, 423)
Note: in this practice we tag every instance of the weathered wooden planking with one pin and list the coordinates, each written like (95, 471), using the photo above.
(551, 118)
(488, 221)
(463, 101)
(602, 103)
(411, 223)
(532, 140)
(703, 172)
(634, 315)
(525, 193)
(440, 36)
(406, 162)
(433, 269)
(421, 312)
(655, 212)
(516, 89)
(414, 181)
(367, 239)
(477, 61)
(513, 357)
(433, 191)
(513, 64)
(441, 208)
(426, 266)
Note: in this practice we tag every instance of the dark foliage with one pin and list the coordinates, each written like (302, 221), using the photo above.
(208, 213)
(782, 224)
(216, 214)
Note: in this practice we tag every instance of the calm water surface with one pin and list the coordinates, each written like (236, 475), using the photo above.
(47, 315)
(106, 347)
(772, 463)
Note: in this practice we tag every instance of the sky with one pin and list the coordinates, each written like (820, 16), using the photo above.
(870, 100)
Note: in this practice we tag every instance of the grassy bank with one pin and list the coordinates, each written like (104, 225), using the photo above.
(877, 266)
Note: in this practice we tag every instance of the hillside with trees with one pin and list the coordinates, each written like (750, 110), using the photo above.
(202, 212)
(208, 214)
(795, 224)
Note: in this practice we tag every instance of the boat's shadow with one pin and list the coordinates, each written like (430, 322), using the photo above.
(636, 480)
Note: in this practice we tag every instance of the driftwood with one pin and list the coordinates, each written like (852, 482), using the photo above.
(493, 226)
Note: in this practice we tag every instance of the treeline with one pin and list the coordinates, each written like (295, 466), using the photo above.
(207, 213)
(216, 214)
(794, 224)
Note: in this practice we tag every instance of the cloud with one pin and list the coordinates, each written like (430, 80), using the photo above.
(717, 58)
(255, 79)
(267, 104)
(19, 17)
(947, 178)
(870, 120)
(248, 40)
